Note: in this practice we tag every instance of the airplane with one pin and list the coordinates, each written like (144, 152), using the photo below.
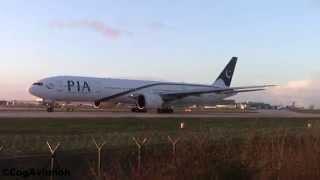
(145, 95)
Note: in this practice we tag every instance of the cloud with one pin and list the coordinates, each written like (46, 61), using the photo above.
(98, 26)
(303, 92)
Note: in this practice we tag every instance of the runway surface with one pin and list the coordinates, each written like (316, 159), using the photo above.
(259, 114)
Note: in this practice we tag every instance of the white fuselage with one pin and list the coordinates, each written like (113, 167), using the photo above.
(87, 89)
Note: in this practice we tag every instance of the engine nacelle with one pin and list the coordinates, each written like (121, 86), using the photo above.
(149, 101)
(97, 103)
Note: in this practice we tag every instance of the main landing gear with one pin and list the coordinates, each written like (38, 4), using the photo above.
(165, 110)
(160, 110)
(139, 110)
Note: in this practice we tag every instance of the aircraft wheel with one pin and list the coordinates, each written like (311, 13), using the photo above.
(138, 110)
(165, 110)
(50, 109)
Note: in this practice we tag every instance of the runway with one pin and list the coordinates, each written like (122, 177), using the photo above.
(258, 114)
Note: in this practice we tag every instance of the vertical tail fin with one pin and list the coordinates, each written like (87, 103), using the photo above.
(225, 78)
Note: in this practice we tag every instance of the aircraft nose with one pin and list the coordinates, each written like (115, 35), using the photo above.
(31, 90)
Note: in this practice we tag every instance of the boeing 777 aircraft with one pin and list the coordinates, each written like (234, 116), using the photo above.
(145, 95)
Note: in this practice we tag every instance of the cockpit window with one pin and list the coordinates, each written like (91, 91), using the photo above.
(38, 84)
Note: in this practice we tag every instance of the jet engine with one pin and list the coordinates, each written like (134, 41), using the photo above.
(149, 101)
(97, 103)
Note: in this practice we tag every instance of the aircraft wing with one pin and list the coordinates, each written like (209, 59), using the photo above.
(235, 90)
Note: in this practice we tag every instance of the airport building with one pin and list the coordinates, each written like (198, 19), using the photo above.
(3, 103)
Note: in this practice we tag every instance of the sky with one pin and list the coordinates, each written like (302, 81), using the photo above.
(277, 42)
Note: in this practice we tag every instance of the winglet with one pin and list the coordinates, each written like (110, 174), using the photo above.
(225, 78)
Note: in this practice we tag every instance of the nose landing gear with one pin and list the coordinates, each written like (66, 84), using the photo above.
(50, 106)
